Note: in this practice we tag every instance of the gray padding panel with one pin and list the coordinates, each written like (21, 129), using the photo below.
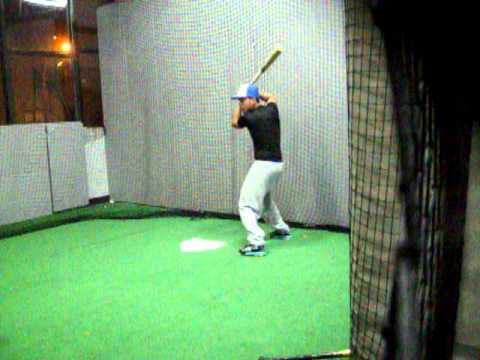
(66, 145)
(24, 180)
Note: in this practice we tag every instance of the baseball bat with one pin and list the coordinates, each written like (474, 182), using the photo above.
(273, 56)
(327, 355)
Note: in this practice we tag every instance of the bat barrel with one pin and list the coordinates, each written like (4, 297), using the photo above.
(327, 355)
(273, 56)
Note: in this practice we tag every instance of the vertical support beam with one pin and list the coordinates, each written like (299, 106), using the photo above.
(77, 91)
(4, 60)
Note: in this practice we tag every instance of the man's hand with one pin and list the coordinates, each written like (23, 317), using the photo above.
(268, 98)
(236, 116)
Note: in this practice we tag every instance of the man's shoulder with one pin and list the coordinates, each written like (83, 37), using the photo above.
(268, 106)
(271, 109)
(271, 104)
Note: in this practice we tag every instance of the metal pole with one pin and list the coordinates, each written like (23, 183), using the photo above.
(4, 60)
(77, 91)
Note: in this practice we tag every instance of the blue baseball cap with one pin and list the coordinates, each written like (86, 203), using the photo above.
(247, 91)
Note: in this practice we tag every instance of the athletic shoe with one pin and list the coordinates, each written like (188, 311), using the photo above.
(280, 234)
(252, 250)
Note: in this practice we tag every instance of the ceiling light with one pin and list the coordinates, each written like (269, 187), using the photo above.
(51, 3)
(66, 47)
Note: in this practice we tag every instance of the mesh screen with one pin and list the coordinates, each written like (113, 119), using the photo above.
(375, 204)
(409, 171)
(168, 69)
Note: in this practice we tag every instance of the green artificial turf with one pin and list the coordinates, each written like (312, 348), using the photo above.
(122, 289)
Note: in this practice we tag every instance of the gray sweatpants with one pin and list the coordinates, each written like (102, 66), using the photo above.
(256, 200)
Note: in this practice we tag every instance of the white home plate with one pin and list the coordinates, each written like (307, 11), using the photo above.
(197, 245)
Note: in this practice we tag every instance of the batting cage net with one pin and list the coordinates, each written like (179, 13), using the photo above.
(375, 204)
(168, 83)
(409, 147)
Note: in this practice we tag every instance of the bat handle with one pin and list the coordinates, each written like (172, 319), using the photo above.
(256, 77)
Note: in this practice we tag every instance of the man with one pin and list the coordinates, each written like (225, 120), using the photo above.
(263, 123)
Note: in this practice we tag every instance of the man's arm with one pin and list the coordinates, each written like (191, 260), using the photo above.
(236, 117)
(269, 98)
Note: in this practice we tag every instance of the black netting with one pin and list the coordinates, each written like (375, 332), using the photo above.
(375, 205)
(410, 130)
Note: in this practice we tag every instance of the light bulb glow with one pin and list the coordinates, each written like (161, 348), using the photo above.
(51, 3)
(66, 47)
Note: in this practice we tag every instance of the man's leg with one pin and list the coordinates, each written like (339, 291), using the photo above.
(250, 204)
(272, 215)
